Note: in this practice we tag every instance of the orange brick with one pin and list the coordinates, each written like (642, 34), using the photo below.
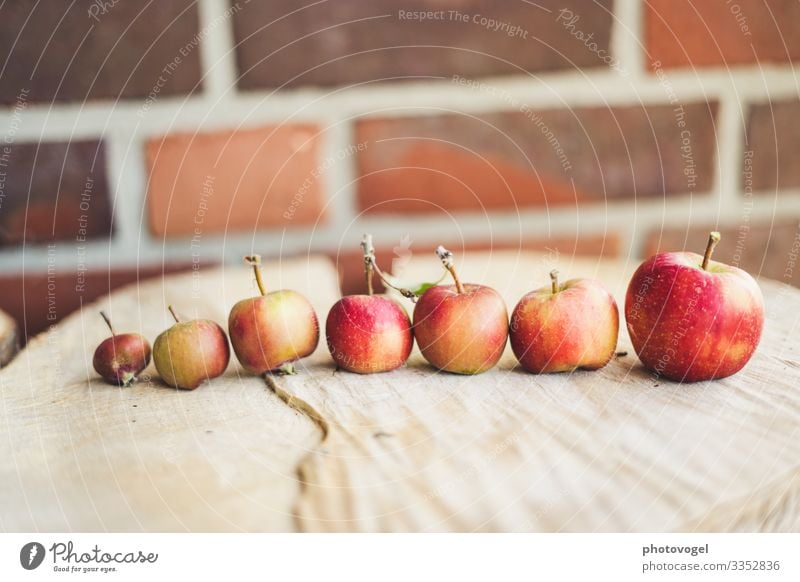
(687, 33)
(227, 181)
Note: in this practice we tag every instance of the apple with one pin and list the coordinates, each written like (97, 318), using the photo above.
(564, 327)
(692, 319)
(368, 333)
(273, 330)
(120, 358)
(460, 328)
(190, 352)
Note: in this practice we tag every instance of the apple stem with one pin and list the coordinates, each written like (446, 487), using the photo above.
(255, 262)
(369, 260)
(108, 322)
(447, 260)
(713, 239)
(174, 315)
(371, 265)
(554, 280)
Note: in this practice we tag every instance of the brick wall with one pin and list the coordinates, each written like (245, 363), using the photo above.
(144, 137)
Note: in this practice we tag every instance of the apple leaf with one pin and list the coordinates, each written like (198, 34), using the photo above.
(416, 288)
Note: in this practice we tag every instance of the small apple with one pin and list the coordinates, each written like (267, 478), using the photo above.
(460, 328)
(120, 358)
(692, 319)
(368, 333)
(272, 331)
(561, 328)
(191, 352)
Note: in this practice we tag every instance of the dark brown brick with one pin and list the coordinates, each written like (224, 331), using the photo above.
(773, 138)
(761, 249)
(352, 41)
(438, 164)
(53, 191)
(97, 49)
(351, 266)
(688, 33)
(27, 298)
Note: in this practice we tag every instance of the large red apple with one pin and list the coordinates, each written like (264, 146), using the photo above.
(272, 331)
(692, 319)
(563, 327)
(460, 328)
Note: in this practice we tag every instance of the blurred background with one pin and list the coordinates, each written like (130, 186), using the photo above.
(143, 137)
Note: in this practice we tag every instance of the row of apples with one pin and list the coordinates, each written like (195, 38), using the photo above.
(690, 319)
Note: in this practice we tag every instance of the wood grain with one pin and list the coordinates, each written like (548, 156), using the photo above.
(410, 450)
(80, 455)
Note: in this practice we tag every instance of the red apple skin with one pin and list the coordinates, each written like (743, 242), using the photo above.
(576, 328)
(463, 333)
(190, 352)
(120, 358)
(368, 334)
(272, 330)
(689, 324)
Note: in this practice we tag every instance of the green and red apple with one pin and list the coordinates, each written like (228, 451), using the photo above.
(460, 328)
(271, 331)
(191, 352)
(693, 319)
(565, 327)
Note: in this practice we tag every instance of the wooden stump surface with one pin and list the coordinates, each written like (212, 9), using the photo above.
(410, 450)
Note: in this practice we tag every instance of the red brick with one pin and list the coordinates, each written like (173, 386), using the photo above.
(27, 298)
(235, 180)
(688, 33)
(76, 51)
(439, 164)
(53, 192)
(280, 43)
(773, 137)
(761, 249)
(351, 266)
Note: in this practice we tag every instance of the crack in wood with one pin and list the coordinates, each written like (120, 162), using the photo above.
(304, 408)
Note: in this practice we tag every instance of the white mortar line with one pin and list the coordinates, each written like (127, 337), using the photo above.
(568, 89)
(626, 31)
(217, 56)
